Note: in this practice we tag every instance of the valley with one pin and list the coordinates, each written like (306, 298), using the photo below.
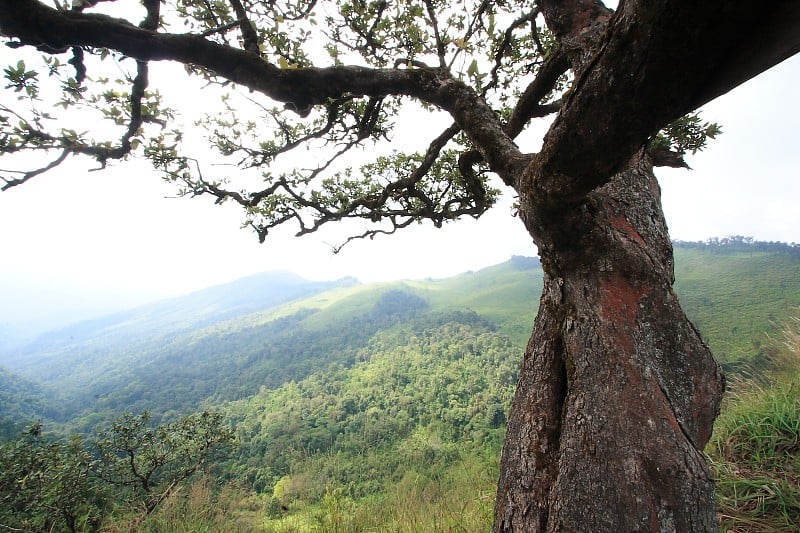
(344, 392)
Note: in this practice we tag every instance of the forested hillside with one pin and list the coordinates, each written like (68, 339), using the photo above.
(340, 392)
(230, 342)
(98, 369)
(21, 401)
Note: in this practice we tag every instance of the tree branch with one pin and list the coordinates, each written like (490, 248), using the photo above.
(508, 37)
(529, 105)
(440, 50)
(302, 87)
(577, 25)
(662, 157)
(33, 173)
(249, 35)
(643, 77)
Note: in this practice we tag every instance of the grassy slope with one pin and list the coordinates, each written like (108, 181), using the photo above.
(506, 294)
(735, 299)
(755, 450)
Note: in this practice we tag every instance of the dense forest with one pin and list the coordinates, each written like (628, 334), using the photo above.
(345, 401)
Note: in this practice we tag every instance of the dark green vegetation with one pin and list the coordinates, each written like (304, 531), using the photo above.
(355, 404)
(47, 485)
(21, 401)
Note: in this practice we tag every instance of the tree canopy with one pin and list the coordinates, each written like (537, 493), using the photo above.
(334, 81)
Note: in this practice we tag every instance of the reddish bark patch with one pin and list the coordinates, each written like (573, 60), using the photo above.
(621, 224)
(619, 300)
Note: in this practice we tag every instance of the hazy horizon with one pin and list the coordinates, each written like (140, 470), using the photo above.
(78, 242)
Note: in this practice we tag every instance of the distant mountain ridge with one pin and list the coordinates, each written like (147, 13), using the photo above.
(195, 310)
(230, 341)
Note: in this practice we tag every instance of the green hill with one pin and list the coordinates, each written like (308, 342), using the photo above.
(21, 401)
(737, 298)
(357, 393)
(228, 343)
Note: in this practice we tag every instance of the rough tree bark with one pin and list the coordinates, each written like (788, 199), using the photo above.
(617, 392)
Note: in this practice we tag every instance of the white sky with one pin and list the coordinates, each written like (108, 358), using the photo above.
(115, 237)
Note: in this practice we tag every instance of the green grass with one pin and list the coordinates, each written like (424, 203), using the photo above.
(755, 450)
(736, 299)
(200, 507)
(460, 500)
(506, 294)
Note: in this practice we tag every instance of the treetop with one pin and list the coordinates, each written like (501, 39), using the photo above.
(337, 85)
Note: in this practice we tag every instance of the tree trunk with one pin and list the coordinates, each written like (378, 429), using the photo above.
(617, 392)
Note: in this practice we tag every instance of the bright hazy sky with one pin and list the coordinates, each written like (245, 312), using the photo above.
(117, 234)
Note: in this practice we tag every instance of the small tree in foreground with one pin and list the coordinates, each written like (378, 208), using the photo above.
(617, 393)
(48, 485)
(151, 462)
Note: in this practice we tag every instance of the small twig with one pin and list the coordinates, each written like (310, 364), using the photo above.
(220, 29)
(440, 49)
(33, 173)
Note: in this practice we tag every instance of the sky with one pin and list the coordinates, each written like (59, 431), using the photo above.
(75, 243)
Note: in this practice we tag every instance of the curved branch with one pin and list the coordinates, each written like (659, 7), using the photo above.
(300, 13)
(508, 37)
(33, 173)
(529, 105)
(632, 71)
(153, 8)
(302, 87)
(440, 50)
(102, 153)
(29, 136)
(663, 157)
(577, 25)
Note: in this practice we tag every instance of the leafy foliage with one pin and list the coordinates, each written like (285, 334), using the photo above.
(47, 486)
(416, 394)
(479, 63)
(686, 134)
(21, 401)
(149, 462)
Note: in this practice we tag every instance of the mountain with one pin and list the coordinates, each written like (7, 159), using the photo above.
(234, 341)
(166, 318)
(391, 395)
(80, 365)
(21, 401)
(30, 306)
